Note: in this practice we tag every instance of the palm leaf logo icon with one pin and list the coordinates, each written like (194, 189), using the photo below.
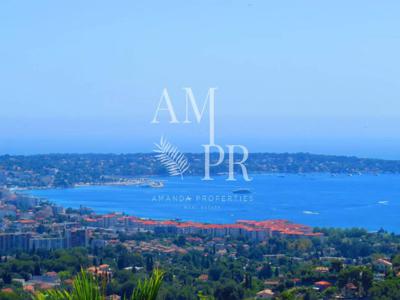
(174, 161)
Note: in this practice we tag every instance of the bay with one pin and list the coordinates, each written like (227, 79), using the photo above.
(325, 200)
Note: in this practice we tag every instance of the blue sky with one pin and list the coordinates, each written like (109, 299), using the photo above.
(86, 76)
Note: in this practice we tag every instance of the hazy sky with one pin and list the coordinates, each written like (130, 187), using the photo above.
(86, 76)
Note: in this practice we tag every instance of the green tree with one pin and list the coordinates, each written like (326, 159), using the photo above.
(149, 263)
(229, 291)
(7, 278)
(265, 272)
(388, 289)
(215, 273)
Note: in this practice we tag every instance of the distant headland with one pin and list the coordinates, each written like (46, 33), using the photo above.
(69, 170)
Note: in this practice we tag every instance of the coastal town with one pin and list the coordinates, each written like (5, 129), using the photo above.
(31, 224)
(42, 246)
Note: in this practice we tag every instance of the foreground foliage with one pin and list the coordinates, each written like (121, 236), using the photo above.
(207, 268)
(87, 287)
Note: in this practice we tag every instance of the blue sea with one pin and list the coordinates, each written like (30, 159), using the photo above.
(367, 201)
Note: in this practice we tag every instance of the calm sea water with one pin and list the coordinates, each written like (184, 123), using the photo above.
(367, 201)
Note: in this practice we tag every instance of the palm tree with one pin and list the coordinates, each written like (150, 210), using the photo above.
(87, 287)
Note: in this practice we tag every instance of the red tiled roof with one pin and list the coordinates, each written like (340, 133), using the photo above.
(322, 283)
(277, 226)
(25, 221)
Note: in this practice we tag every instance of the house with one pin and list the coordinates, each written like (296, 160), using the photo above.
(203, 277)
(29, 288)
(322, 285)
(350, 290)
(383, 265)
(296, 281)
(271, 283)
(265, 294)
(102, 271)
(322, 270)
(7, 290)
(49, 279)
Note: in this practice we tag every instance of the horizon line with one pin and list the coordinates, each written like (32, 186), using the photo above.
(194, 153)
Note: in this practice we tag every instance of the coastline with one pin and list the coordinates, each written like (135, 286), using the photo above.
(323, 200)
(141, 181)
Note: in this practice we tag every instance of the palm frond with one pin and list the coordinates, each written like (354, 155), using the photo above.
(53, 295)
(148, 289)
(86, 287)
(174, 161)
